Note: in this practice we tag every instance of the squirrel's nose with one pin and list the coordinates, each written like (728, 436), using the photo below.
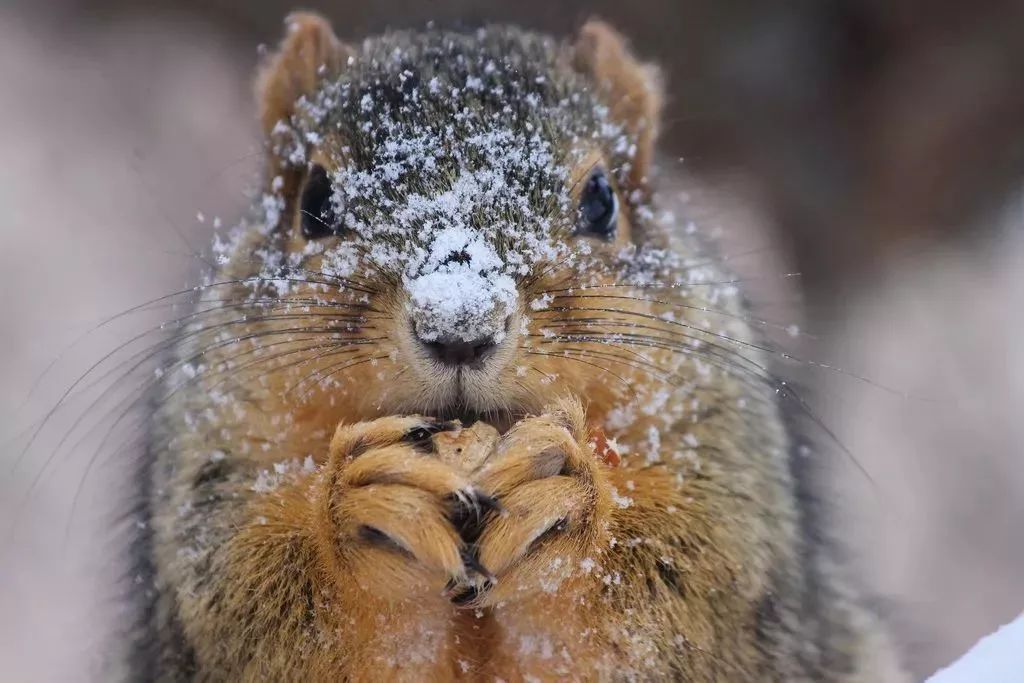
(454, 351)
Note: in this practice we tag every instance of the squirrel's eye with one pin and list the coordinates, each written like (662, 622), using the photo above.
(599, 207)
(318, 217)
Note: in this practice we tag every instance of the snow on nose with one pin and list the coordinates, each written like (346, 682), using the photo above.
(460, 293)
(458, 303)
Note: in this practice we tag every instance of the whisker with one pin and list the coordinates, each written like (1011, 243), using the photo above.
(129, 311)
(782, 388)
(648, 367)
(740, 342)
(48, 462)
(684, 335)
(157, 348)
(776, 352)
(234, 371)
(750, 320)
(751, 378)
(351, 365)
(674, 285)
(578, 360)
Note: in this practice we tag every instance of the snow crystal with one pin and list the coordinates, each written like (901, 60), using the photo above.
(541, 302)
(620, 500)
(653, 444)
(285, 471)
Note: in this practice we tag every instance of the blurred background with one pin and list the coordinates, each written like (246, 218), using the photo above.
(876, 145)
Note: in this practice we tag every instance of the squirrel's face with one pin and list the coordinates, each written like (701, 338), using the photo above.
(459, 188)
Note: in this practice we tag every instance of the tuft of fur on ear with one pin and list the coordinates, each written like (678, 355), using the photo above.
(309, 52)
(633, 89)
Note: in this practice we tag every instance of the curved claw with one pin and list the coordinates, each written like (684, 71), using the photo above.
(465, 592)
(420, 437)
(472, 563)
(468, 594)
(469, 507)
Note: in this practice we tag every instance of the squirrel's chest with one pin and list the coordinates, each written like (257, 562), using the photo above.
(486, 645)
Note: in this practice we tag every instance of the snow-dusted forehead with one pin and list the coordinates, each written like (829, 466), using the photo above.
(468, 135)
(452, 157)
(494, 193)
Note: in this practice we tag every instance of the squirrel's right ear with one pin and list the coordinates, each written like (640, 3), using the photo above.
(633, 89)
(309, 52)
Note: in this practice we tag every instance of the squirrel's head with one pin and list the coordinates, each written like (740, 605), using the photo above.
(458, 189)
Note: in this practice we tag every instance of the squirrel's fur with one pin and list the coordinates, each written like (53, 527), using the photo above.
(283, 546)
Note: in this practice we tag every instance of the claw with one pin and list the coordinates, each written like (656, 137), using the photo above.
(462, 592)
(469, 559)
(421, 437)
(469, 507)
(490, 503)
(466, 596)
(482, 503)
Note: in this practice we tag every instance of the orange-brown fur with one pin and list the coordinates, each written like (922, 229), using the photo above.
(676, 567)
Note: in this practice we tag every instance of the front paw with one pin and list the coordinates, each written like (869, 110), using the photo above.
(390, 511)
(555, 499)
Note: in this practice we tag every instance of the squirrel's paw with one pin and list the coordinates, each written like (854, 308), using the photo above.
(390, 513)
(554, 498)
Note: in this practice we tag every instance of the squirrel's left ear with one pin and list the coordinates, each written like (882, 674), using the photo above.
(633, 89)
(309, 52)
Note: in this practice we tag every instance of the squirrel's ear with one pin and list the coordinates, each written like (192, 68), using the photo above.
(309, 52)
(633, 89)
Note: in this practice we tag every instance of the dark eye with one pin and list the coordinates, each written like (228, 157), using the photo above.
(599, 207)
(318, 216)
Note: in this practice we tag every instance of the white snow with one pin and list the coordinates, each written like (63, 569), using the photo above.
(467, 299)
(997, 658)
(458, 302)
(285, 471)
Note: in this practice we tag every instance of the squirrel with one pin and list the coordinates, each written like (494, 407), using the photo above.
(463, 229)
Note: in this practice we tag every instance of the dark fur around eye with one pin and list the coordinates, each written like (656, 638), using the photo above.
(318, 216)
(599, 207)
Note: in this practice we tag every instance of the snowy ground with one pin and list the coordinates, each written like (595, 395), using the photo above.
(998, 658)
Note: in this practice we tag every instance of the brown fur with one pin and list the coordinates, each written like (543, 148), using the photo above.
(309, 53)
(634, 89)
(668, 567)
